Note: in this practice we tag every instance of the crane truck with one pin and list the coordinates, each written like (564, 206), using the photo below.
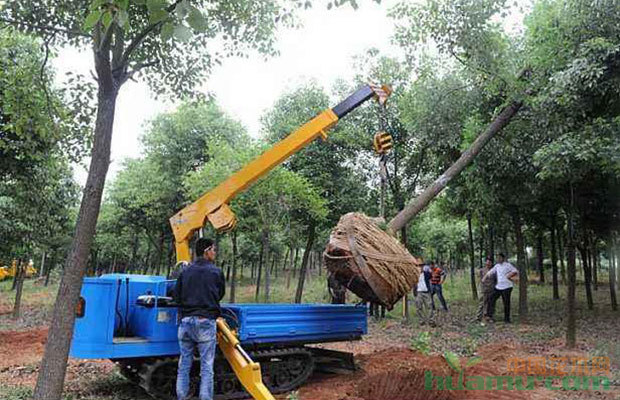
(262, 347)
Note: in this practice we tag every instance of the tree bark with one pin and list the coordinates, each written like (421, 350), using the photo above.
(562, 255)
(233, 280)
(264, 260)
(19, 275)
(540, 257)
(612, 275)
(51, 376)
(516, 219)
(571, 322)
(290, 269)
(472, 257)
(587, 276)
(554, 259)
(304, 264)
(42, 268)
(594, 263)
(419, 203)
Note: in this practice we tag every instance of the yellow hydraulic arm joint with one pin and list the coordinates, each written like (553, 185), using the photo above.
(246, 370)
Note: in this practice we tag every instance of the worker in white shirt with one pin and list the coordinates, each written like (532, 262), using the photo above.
(506, 273)
(423, 297)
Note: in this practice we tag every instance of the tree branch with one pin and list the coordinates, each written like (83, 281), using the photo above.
(44, 27)
(140, 37)
(137, 69)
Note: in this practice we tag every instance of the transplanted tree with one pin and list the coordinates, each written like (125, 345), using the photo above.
(167, 44)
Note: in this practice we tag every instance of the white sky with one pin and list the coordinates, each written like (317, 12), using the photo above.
(246, 87)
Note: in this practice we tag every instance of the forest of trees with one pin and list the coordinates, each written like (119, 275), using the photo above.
(546, 189)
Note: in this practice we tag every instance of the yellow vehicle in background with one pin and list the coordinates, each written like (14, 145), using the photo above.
(9, 272)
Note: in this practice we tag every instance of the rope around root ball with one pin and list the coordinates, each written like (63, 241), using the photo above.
(370, 262)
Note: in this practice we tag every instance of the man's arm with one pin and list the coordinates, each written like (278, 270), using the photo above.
(488, 274)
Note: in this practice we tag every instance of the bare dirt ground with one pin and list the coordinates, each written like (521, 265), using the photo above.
(391, 356)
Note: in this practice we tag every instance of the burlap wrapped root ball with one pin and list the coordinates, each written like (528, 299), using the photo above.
(371, 263)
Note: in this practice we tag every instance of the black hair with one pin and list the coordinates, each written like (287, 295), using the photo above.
(502, 255)
(201, 245)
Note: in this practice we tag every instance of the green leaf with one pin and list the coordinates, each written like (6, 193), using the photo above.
(154, 5)
(158, 16)
(124, 4)
(182, 33)
(453, 360)
(106, 19)
(181, 9)
(196, 20)
(167, 31)
(96, 4)
(473, 361)
(92, 19)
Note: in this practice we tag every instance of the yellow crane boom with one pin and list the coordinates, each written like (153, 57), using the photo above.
(213, 207)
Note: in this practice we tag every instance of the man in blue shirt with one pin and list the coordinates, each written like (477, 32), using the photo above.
(198, 291)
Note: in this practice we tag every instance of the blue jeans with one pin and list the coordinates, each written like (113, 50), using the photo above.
(437, 290)
(196, 331)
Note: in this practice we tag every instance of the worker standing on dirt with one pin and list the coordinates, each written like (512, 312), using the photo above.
(198, 291)
(423, 300)
(438, 276)
(487, 288)
(506, 273)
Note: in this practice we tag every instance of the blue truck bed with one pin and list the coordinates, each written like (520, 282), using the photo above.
(114, 325)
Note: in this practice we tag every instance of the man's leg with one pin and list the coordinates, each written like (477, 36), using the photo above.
(506, 300)
(186, 358)
(441, 298)
(432, 293)
(206, 346)
(494, 297)
(481, 310)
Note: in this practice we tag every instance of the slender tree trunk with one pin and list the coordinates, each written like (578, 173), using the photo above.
(594, 263)
(42, 268)
(264, 260)
(290, 269)
(540, 257)
(233, 280)
(554, 259)
(304, 264)
(295, 262)
(472, 268)
(587, 276)
(516, 218)
(481, 248)
(50, 266)
(268, 271)
(419, 203)
(571, 320)
(612, 275)
(19, 275)
(160, 253)
(51, 376)
(491, 241)
(562, 255)
(403, 239)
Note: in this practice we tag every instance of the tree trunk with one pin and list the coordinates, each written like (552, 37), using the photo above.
(50, 266)
(472, 268)
(481, 244)
(290, 269)
(264, 260)
(42, 268)
(160, 252)
(19, 275)
(561, 251)
(268, 271)
(491, 242)
(304, 264)
(540, 257)
(587, 276)
(554, 259)
(403, 239)
(612, 275)
(419, 203)
(233, 285)
(516, 219)
(594, 263)
(571, 323)
(54, 364)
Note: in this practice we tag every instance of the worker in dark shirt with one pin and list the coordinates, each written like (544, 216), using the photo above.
(198, 291)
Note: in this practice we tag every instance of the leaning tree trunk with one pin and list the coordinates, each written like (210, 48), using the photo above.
(517, 224)
(304, 265)
(612, 275)
(472, 257)
(20, 271)
(54, 364)
(571, 320)
(554, 259)
(419, 203)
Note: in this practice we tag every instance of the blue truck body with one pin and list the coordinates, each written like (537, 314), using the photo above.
(115, 325)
